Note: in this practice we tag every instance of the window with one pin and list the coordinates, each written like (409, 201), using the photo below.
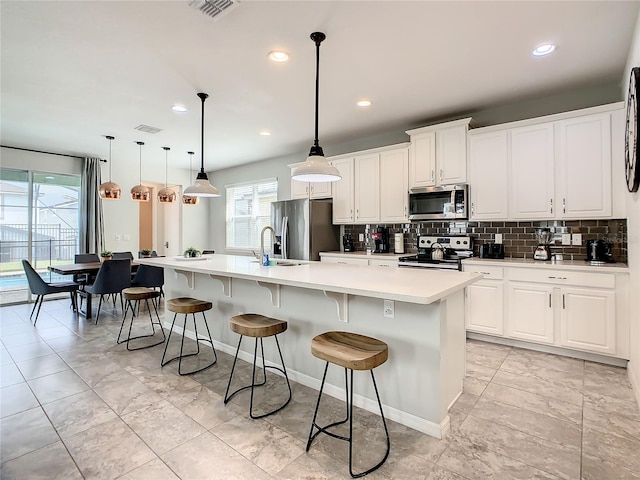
(248, 211)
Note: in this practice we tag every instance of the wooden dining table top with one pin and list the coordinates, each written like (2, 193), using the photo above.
(77, 268)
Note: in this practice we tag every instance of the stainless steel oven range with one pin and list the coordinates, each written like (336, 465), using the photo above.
(443, 252)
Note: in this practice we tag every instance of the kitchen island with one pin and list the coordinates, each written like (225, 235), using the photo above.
(424, 326)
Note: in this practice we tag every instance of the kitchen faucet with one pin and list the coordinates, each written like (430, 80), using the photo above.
(273, 238)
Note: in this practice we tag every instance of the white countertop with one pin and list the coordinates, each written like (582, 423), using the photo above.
(364, 254)
(411, 285)
(564, 264)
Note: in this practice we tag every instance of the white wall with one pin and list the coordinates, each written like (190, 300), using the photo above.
(633, 241)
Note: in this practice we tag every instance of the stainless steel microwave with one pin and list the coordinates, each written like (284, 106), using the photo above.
(438, 203)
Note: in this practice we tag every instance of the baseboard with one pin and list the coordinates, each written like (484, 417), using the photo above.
(634, 378)
(404, 418)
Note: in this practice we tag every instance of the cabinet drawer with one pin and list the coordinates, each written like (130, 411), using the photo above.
(346, 261)
(563, 277)
(379, 262)
(489, 271)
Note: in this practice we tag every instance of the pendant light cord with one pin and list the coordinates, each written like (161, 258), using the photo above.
(315, 141)
(140, 162)
(166, 168)
(203, 97)
(110, 138)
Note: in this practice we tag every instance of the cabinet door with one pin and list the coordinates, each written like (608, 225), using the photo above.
(422, 160)
(532, 172)
(451, 155)
(488, 175)
(367, 188)
(484, 307)
(584, 167)
(587, 321)
(530, 312)
(320, 190)
(343, 210)
(299, 189)
(394, 186)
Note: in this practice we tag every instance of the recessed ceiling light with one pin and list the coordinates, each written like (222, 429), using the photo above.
(364, 103)
(278, 56)
(265, 133)
(544, 49)
(179, 108)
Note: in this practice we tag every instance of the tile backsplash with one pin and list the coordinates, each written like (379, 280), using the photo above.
(518, 237)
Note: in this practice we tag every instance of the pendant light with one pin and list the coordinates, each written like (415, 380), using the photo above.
(190, 199)
(140, 193)
(202, 187)
(166, 194)
(316, 168)
(110, 190)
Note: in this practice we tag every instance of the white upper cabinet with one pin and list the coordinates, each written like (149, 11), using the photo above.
(438, 154)
(367, 188)
(394, 186)
(488, 175)
(532, 176)
(584, 166)
(343, 201)
(309, 189)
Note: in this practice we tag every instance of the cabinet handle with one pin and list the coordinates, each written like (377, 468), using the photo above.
(405, 210)
(433, 175)
(306, 189)
(564, 205)
(342, 263)
(558, 278)
(551, 203)
(563, 305)
(311, 188)
(351, 214)
(549, 300)
(357, 212)
(472, 209)
(441, 175)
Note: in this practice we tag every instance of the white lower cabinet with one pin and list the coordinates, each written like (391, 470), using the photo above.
(588, 320)
(575, 310)
(530, 312)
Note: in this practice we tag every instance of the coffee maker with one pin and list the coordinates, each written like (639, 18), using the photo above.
(543, 252)
(599, 251)
(381, 240)
(347, 242)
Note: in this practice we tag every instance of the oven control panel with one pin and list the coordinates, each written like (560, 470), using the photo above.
(454, 242)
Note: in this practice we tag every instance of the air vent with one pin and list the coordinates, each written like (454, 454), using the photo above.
(148, 129)
(214, 8)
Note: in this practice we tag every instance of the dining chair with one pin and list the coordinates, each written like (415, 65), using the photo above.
(40, 288)
(149, 276)
(85, 278)
(122, 255)
(113, 277)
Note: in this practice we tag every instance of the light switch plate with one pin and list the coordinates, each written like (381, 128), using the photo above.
(566, 239)
(361, 237)
(389, 308)
(498, 238)
(117, 237)
(576, 239)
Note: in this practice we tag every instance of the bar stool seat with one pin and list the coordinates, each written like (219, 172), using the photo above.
(351, 351)
(257, 326)
(137, 294)
(189, 306)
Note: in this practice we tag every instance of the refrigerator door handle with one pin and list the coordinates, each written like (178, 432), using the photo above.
(285, 237)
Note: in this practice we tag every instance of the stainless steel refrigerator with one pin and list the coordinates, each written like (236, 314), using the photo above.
(304, 228)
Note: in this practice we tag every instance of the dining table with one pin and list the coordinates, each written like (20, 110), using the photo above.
(90, 268)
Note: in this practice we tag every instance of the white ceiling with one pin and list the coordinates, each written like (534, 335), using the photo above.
(75, 71)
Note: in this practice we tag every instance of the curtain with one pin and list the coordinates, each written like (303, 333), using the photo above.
(91, 221)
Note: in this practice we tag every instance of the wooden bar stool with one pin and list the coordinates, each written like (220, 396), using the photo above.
(186, 306)
(353, 352)
(136, 294)
(257, 326)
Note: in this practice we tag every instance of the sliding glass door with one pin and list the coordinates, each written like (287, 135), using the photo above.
(39, 217)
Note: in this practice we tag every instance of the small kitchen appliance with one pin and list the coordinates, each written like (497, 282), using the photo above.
(542, 251)
(381, 240)
(398, 243)
(492, 250)
(445, 253)
(347, 242)
(599, 251)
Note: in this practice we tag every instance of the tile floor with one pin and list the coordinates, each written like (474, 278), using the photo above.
(75, 405)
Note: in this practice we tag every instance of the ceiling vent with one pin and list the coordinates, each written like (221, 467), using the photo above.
(214, 8)
(148, 129)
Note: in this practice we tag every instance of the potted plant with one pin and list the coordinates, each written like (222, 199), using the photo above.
(191, 252)
(145, 252)
(106, 255)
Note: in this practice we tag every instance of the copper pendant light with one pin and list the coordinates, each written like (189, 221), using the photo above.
(166, 194)
(140, 193)
(110, 190)
(316, 168)
(190, 199)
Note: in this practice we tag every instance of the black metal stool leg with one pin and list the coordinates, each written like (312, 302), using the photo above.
(166, 345)
(192, 354)
(233, 368)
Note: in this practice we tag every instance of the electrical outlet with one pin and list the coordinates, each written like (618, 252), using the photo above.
(498, 238)
(389, 308)
(361, 237)
(117, 237)
(566, 239)
(576, 239)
